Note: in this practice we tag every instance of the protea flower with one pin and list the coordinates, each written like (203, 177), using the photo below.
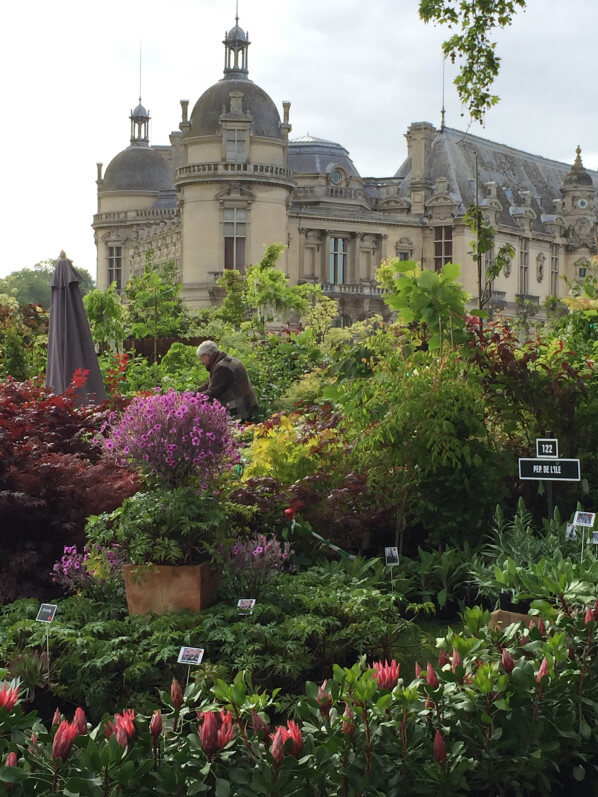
(542, 671)
(507, 661)
(64, 739)
(11, 760)
(589, 616)
(57, 718)
(8, 696)
(280, 736)
(208, 733)
(176, 694)
(418, 670)
(431, 677)
(439, 748)
(324, 699)
(348, 726)
(226, 732)
(386, 674)
(297, 737)
(125, 721)
(443, 658)
(80, 720)
(277, 746)
(457, 660)
(121, 736)
(155, 726)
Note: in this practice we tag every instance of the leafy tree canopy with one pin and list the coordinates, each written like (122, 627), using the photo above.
(474, 22)
(32, 285)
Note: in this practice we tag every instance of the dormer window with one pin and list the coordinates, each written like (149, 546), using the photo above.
(236, 144)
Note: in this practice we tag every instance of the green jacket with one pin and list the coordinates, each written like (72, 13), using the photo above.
(230, 385)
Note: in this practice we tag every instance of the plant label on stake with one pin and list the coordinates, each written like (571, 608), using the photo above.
(584, 519)
(571, 532)
(192, 657)
(392, 556)
(46, 615)
(595, 537)
(245, 605)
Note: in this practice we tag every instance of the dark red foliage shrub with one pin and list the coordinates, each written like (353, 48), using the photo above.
(51, 478)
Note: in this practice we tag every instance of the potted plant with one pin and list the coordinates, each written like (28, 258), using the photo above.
(184, 446)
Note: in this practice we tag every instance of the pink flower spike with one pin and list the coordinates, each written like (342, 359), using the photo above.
(387, 675)
(589, 616)
(431, 677)
(542, 672)
(439, 748)
(324, 700)
(11, 760)
(507, 662)
(80, 720)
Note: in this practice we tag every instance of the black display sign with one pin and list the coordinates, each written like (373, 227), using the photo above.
(547, 447)
(46, 612)
(562, 470)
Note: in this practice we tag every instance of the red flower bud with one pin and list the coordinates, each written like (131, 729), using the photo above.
(541, 627)
(155, 726)
(589, 616)
(324, 700)
(439, 748)
(542, 671)
(176, 694)
(348, 726)
(277, 747)
(418, 670)
(507, 661)
(457, 660)
(258, 724)
(11, 760)
(63, 740)
(80, 720)
(57, 718)
(431, 677)
(208, 733)
(443, 658)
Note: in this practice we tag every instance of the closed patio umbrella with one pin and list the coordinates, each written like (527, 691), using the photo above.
(70, 345)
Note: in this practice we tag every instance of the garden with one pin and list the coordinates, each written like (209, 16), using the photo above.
(318, 662)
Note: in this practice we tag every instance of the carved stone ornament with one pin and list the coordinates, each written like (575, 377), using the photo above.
(507, 267)
(540, 260)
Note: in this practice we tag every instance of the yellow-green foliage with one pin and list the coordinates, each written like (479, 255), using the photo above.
(307, 391)
(287, 452)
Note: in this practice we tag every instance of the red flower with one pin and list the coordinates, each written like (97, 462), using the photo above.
(589, 616)
(64, 739)
(348, 726)
(541, 627)
(176, 694)
(57, 718)
(121, 736)
(281, 735)
(418, 670)
(226, 732)
(431, 677)
(457, 660)
(443, 658)
(125, 721)
(290, 513)
(155, 726)
(208, 733)
(80, 720)
(439, 748)
(8, 696)
(543, 671)
(109, 729)
(506, 661)
(386, 674)
(324, 700)
(11, 760)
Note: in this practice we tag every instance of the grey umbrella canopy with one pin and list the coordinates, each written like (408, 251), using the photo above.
(70, 345)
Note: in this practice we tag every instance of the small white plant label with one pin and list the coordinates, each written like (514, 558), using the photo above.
(190, 656)
(46, 612)
(392, 556)
(245, 605)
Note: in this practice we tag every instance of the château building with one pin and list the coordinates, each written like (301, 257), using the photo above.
(231, 181)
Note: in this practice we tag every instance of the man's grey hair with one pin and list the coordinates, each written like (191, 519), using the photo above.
(207, 347)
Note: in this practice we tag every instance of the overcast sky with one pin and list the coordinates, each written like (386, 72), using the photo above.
(356, 71)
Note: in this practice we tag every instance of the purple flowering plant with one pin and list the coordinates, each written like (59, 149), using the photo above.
(173, 436)
(250, 564)
(89, 571)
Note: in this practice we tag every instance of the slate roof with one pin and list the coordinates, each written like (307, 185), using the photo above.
(311, 155)
(138, 168)
(205, 117)
(514, 172)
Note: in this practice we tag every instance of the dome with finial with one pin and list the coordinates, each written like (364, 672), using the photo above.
(236, 34)
(140, 112)
(577, 176)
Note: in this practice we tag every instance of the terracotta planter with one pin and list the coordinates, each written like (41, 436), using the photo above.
(160, 588)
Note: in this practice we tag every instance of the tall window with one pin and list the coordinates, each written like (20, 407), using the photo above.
(115, 266)
(338, 260)
(554, 269)
(524, 267)
(235, 231)
(236, 149)
(443, 246)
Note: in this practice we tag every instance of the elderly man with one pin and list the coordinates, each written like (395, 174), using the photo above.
(228, 382)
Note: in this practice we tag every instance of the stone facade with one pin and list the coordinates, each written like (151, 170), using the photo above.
(231, 182)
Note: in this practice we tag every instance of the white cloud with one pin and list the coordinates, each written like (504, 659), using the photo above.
(356, 72)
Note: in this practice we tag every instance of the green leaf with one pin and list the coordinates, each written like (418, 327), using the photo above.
(450, 271)
(579, 773)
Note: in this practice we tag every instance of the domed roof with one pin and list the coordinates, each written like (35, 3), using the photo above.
(311, 155)
(140, 111)
(205, 117)
(236, 34)
(138, 169)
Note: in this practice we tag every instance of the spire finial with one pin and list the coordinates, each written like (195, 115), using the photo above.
(237, 13)
(442, 110)
(139, 71)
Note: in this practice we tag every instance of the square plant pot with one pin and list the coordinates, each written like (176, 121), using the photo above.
(162, 588)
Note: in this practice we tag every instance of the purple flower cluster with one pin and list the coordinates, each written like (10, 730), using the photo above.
(174, 436)
(250, 564)
(74, 573)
